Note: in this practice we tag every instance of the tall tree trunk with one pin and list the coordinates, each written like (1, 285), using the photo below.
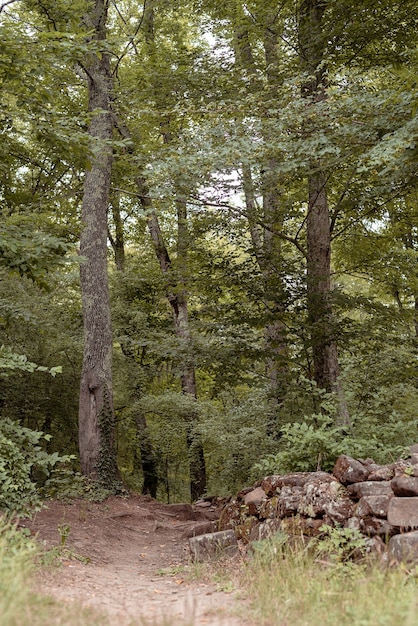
(176, 293)
(176, 286)
(96, 413)
(324, 346)
(312, 44)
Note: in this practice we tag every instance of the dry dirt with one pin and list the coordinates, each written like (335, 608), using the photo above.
(137, 550)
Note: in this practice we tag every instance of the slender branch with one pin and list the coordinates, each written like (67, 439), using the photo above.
(5, 4)
(131, 42)
(240, 213)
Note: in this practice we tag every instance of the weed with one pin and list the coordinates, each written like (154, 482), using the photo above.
(64, 531)
(340, 545)
(294, 586)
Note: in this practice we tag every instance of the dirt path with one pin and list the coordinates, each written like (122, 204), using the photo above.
(137, 549)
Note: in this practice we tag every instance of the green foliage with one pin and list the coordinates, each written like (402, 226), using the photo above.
(11, 361)
(30, 252)
(340, 544)
(317, 442)
(65, 484)
(235, 436)
(266, 552)
(22, 455)
(298, 586)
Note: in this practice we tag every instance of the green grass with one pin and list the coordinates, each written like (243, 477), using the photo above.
(280, 585)
(293, 587)
(19, 605)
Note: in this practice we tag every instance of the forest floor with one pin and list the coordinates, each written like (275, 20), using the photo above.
(129, 558)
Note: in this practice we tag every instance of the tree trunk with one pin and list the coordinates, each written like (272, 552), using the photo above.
(118, 240)
(176, 293)
(312, 45)
(324, 346)
(96, 413)
(148, 457)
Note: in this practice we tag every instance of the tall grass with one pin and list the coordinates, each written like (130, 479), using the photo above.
(19, 605)
(16, 559)
(293, 587)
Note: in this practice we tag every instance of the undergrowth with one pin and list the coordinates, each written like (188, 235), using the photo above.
(19, 604)
(319, 585)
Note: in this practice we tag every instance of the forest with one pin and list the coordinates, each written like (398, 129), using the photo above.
(208, 243)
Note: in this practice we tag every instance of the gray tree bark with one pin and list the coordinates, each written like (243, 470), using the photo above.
(176, 292)
(96, 413)
(312, 46)
(176, 283)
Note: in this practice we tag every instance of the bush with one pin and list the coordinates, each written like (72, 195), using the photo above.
(21, 455)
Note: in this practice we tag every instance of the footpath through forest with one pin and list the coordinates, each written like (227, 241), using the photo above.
(137, 550)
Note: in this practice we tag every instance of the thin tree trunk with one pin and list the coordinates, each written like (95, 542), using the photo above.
(96, 413)
(176, 293)
(148, 458)
(118, 240)
(324, 346)
(312, 42)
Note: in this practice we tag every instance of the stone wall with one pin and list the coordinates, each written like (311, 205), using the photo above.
(380, 501)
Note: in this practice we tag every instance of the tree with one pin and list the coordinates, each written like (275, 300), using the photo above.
(175, 277)
(96, 411)
(313, 40)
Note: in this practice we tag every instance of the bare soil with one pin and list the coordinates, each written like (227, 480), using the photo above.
(137, 551)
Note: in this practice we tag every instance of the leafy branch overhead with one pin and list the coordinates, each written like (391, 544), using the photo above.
(209, 211)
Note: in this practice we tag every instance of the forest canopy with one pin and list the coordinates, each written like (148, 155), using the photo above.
(209, 237)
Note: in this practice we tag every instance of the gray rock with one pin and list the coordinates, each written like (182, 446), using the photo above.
(204, 547)
(403, 512)
(369, 488)
(384, 472)
(405, 486)
(327, 497)
(404, 547)
(347, 470)
(265, 530)
(372, 526)
(200, 528)
(288, 501)
(256, 495)
(273, 484)
(353, 523)
(402, 467)
(253, 500)
(373, 505)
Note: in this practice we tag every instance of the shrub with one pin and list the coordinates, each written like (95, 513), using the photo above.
(21, 455)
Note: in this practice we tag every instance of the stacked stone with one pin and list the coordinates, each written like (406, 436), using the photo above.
(380, 501)
(403, 512)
